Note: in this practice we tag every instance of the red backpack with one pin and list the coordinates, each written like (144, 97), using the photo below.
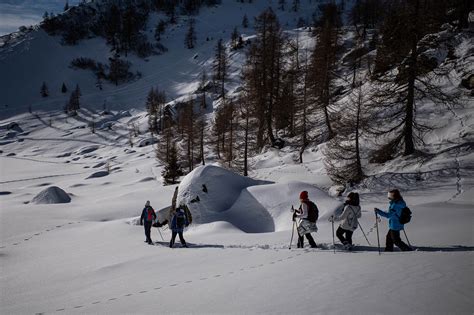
(150, 214)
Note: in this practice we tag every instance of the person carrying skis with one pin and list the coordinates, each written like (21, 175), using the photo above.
(349, 217)
(308, 213)
(396, 205)
(178, 222)
(147, 218)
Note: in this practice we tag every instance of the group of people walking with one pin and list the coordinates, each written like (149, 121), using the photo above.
(179, 217)
(307, 215)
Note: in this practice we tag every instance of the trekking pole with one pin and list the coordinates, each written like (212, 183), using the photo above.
(292, 233)
(160, 234)
(406, 237)
(333, 242)
(377, 227)
(364, 234)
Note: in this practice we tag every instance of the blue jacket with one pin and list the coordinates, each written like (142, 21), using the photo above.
(393, 214)
(174, 223)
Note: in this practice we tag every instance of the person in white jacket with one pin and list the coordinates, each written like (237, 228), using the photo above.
(308, 214)
(349, 218)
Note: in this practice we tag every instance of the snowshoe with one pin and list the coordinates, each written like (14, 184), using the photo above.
(348, 246)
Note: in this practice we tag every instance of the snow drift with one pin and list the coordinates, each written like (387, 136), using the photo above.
(215, 194)
(51, 195)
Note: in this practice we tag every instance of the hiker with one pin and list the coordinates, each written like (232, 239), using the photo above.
(349, 217)
(172, 209)
(393, 214)
(147, 218)
(178, 222)
(308, 213)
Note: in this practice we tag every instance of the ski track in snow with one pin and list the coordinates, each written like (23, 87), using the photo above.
(37, 234)
(200, 278)
(41, 177)
(41, 161)
(293, 254)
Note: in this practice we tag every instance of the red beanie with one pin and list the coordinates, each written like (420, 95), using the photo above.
(304, 195)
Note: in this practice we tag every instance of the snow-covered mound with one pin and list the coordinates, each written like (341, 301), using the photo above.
(266, 208)
(51, 195)
(215, 194)
(209, 190)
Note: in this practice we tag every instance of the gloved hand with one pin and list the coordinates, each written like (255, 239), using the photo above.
(294, 216)
(376, 209)
(331, 219)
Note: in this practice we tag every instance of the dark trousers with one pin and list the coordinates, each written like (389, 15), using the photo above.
(147, 225)
(181, 238)
(393, 237)
(347, 239)
(310, 240)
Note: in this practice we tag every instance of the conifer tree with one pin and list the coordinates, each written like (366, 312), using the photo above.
(202, 88)
(245, 21)
(190, 39)
(295, 6)
(343, 153)
(220, 67)
(44, 90)
(74, 101)
(406, 76)
(172, 169)
(154, 105)
(159, 30)
(281, 4)
(263, 72)
(63, 88)
(324, 63)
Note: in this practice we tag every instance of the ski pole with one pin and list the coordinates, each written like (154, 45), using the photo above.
(160, 234)
(292, 233)
(406, 237)
(333, 242)
(377, 227)
(364, 234)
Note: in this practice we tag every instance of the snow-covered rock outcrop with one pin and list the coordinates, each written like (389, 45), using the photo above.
(51, 195)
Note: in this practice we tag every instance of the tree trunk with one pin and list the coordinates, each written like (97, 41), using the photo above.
(246, 144)
(410, 105)
(357, 148)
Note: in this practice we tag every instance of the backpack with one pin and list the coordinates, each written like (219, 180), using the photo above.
(405, 216)
(313, 212)
(149, 215)
(180, 219)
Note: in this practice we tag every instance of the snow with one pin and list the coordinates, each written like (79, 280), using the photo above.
(88, 256)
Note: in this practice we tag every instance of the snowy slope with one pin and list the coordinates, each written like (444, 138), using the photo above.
(39, 57)
(88, 255)
(85, 257)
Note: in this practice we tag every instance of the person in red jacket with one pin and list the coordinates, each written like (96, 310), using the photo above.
(147, 218)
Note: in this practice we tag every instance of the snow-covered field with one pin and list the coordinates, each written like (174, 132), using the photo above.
(87, 255)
